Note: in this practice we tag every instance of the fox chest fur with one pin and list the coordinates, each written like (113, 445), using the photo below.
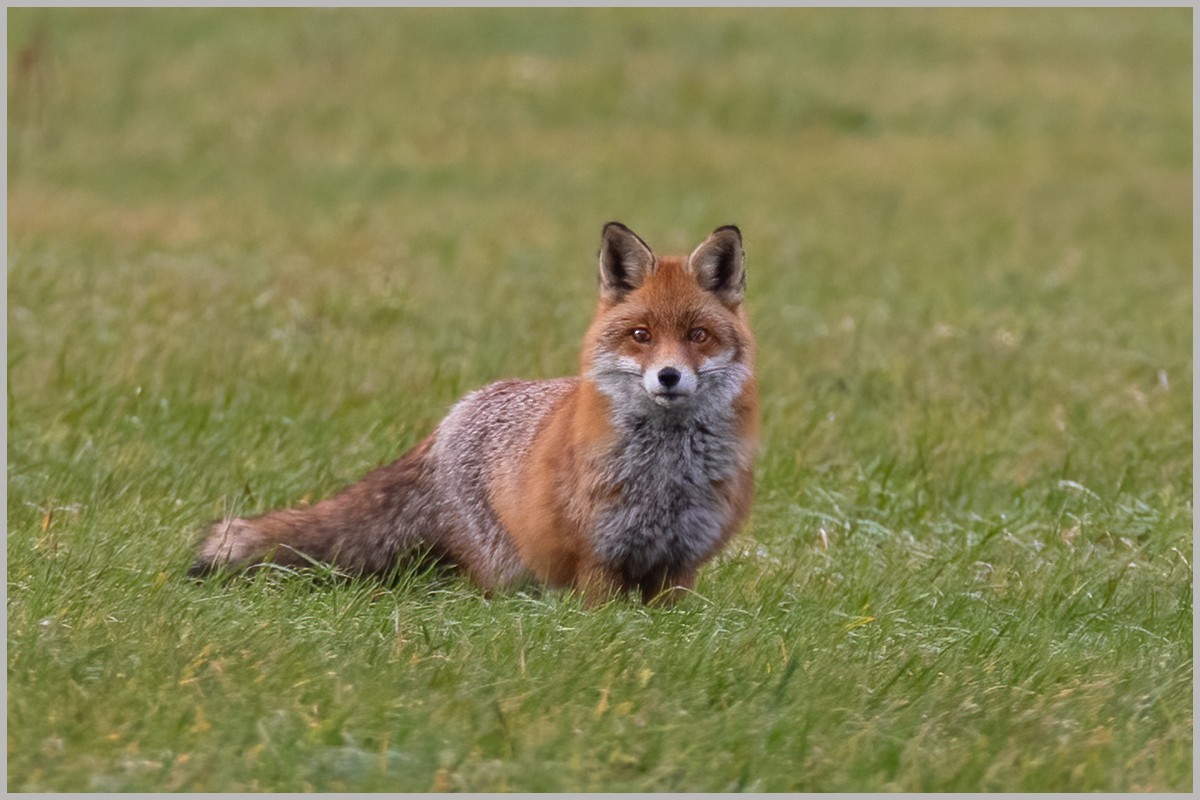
(667, 512)
(627, 477)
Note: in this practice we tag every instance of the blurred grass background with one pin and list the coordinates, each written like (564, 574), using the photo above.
(252, 254)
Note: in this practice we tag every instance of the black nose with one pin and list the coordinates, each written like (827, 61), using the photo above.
(668, 377)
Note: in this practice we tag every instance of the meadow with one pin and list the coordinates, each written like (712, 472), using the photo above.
(254, 254)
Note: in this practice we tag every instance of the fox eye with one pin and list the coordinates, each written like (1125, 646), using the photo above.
(641, 335)
(699, 335)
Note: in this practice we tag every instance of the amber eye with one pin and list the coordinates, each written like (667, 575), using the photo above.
(699, 335)
(641, 335)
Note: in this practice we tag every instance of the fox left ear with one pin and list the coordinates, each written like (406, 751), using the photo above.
(719, 264)
(625, 262)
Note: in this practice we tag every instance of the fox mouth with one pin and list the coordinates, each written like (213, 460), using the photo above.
(670, 398)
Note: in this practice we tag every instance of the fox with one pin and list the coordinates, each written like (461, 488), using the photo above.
(626, 478)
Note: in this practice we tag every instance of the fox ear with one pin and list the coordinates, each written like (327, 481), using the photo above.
(719, 264)
(625, 262)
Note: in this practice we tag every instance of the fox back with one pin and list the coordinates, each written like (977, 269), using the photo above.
(626, 478)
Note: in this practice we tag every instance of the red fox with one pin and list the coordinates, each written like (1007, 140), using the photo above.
(626, 478)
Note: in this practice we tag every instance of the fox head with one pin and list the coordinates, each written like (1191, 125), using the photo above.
(670, 339)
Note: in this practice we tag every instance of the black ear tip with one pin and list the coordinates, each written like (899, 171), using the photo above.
(619, 235)
(734, 229)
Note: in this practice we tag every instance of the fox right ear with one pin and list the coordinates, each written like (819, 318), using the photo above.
(625, 262)
(720, 265)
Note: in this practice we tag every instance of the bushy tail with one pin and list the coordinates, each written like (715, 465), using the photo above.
(364, 529)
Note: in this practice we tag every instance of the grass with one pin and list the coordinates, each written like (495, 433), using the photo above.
(252, 254)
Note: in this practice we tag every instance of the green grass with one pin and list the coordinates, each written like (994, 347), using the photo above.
(253, 254)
